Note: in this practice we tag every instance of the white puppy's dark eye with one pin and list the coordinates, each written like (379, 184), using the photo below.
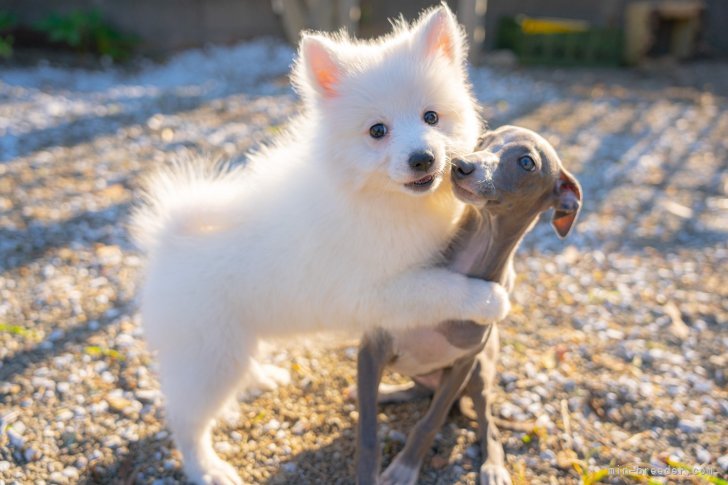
(378, 130)
(527, 163)
(431, 118)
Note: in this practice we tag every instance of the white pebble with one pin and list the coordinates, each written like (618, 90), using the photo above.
(702, 455)
(691, 426)
(299, 428)
(57, 477)
(549, 456)
(272, 425)
(70, 472)
(16, 439)
(397, 436)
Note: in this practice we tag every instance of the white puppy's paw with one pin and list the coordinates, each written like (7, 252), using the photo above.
(276, 376)
(491, 474)
(398, 473)
(489, 301)
(214, 471)
(268, 377)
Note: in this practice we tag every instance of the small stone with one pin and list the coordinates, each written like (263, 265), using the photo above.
(272, 425)
(397, 436)
(690, 426)
(224, 447)
(81, 462)
(31, 454)
(4, 466)
(147, 396)
(15, 438)
(112, 441)
(70, 472)
(64, 415)
(117, 403)
(615, 334)
(473, 452)
(702, 455)
(549, 456)
(723, 462)
(299, 428)
(289, 467)
(724, 406)
(57, 477)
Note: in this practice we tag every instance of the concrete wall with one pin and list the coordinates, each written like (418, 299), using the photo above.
(716, 31)
(168, 25)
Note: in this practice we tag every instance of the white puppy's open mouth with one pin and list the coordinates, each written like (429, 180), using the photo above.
(421, 185)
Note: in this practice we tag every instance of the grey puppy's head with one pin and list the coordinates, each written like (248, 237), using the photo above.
(516, 172)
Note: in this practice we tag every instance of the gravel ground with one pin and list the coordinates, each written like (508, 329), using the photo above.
(615, 353)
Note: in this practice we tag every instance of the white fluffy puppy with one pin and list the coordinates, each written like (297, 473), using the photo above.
(336, 226)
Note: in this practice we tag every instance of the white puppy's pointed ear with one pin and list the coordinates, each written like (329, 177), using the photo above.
(321, 69)
(439, 34)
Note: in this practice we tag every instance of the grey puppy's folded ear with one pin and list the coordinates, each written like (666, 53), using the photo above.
(567, 203)
(484, 140)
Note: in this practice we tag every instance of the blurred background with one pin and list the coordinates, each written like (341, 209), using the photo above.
(615, 353)
(634, 29)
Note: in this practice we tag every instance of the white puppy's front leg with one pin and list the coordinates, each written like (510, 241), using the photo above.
(432, 295)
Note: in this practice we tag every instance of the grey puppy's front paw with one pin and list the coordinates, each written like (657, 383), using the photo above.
(398, 473)
(491, 474)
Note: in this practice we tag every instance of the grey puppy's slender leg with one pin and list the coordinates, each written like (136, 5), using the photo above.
(480, 389)
(405, 467)
(375, 352)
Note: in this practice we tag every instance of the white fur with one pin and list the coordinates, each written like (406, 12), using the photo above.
(318, 232)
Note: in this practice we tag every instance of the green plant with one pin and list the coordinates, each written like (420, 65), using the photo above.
(86, 31)
(7, 22)
(696, 471)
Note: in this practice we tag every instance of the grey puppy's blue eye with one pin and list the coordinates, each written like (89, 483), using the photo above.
(527, 163)
(430, 117)
(378, 130)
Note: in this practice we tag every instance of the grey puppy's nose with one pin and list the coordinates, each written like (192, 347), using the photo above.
(462, 168)
(421, 161)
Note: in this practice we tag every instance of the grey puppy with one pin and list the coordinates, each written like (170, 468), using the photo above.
(514, 177)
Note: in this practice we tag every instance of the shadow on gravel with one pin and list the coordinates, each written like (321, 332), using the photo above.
(600, 180)
(126, 469)
(337, 458)
(77, 335)
(19, 247)
(86, 128)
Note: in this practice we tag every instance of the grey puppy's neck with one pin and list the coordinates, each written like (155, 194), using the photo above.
(487, 243)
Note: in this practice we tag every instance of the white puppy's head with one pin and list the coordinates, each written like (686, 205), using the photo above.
(390, 112)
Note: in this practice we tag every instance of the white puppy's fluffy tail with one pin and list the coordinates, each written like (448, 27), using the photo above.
(191, 197)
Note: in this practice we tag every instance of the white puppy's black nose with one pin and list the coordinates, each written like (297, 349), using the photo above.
(421, 161)
(462, 168)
